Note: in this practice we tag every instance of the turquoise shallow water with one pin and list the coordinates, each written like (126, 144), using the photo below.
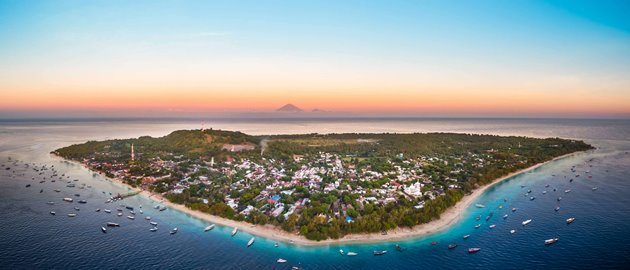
(30, 238)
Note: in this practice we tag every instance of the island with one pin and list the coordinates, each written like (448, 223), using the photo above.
(319, 188)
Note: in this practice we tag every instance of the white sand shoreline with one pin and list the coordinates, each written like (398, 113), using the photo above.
(446, 220)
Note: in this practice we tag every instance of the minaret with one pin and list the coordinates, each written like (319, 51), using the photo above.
(212, 162)
(133, 155)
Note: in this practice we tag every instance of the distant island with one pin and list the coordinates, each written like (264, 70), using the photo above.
(317, 186)
(289, 108)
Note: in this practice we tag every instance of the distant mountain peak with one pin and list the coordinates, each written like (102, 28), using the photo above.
(289, 108)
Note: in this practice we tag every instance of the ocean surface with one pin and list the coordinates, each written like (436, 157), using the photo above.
(31, 238)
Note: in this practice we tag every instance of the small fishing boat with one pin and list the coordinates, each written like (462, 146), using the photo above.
(479, 205)
(147, 218)
(154, 229)
(341, 252)
(153, 223)
(379, 252)
(551, 241)
(466, 236)
(209, 228)
(173, 231)
(251, 241)
(477, 226)
(107, 210)
(98, 210)
(352, 254)
(513, 209)
(53, 213)
(281, 260)
(112, 224)
(234, 231)
(131, 217)
(276, 244)
(492, 226)
(50, 203)
(594, 188)
(532, 198)
(473, 250)
(29, 185)
(77, 208)
(72, 215)
(452, 246)
(505, 216)
(83, 201)
(570, 220)
(526, 222)
(103, 229)
(544, 192)
(67, 199)
(512, 231)
(567, 191)
(557, 208)
(119, 214)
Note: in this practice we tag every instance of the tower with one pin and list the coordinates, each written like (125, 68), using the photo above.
(133, 155)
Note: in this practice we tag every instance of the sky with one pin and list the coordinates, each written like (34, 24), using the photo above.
(420, 58)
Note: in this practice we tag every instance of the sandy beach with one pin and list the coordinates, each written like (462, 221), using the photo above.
(447, 219)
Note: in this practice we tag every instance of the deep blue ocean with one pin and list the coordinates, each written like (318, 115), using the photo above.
(31, 238)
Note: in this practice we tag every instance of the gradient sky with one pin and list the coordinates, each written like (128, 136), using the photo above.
(425, 58)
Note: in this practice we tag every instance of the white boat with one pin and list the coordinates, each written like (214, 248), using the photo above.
(526, 222)
(153, 223)
(50, 203)
(153, 229)
(341, 251)
(174, 231)
(72, 215)
(276, 244)
(67, 199)
(53, 213)
(107, 211)
(595, 188)
(479, 205)
(551, 241)
(147, 218)
(570, 220)
(251, 241)
(567, 191)
(209, 228)
(141, 212)
(119, 214)
(492, 226)
(505, 216)
(512, 231)
(103, 229)
(281, 260)
(234, 231)
(131, 217)
(352, 254)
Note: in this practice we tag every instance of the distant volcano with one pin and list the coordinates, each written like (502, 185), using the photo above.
(289, 108)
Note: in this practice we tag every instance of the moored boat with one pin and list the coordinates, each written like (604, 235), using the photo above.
(473, 250)
(154, 229)
(153, 223)
(466, 236)
(352, 254)
(492, 226)
(72, 215)
(53, 213)
(251, 241)
(380, 252)
(103, 229)
(526, 222)
(112, 224)
(479, 205)
(209, 228)
(281, 260)
(234, 231)
(452, 246)
(512, 231)
(173, 231)
(107, 211)
(67, 199)
(131, 217)
(551, 241)
(341, 252)
(570, 220)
